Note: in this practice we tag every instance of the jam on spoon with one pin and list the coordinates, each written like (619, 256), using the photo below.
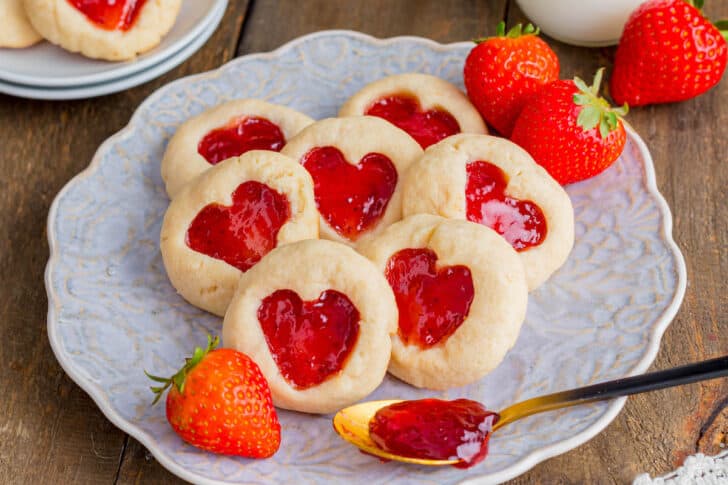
(354, 424)
(435, 429)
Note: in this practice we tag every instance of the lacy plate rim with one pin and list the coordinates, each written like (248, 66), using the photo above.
(521, 466)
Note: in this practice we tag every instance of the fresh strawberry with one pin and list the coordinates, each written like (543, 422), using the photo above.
(668, 52)
(219, 401)
(571, 131)
(502, 72)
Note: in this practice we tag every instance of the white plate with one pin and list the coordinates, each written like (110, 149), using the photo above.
(47, 65)
(112, 312)
(121, 84)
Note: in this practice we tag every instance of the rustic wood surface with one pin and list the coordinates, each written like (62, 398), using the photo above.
(51, 431)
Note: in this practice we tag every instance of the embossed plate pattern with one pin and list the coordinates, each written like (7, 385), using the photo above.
(113, 313)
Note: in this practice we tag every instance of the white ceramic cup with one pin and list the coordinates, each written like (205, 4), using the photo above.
(589, 23)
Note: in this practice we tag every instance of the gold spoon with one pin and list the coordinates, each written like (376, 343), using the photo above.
(352, 423)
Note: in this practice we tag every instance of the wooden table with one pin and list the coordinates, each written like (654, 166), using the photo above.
(51, 431)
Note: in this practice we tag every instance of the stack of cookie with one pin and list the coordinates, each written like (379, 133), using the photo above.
(110, 30)
(398, 237)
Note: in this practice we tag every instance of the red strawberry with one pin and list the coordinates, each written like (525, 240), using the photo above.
(569, 130)
(502, 72)
(219, 401)
(668, 52)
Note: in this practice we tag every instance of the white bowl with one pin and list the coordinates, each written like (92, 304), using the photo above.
(589, 23)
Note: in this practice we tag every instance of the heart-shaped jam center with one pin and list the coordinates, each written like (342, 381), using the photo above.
(239, 136)
(110, 14)
(520, 222)
(351, 198)
(243, 233)
(432, 302)
(427, 127)
(309, 340)
(434, 429)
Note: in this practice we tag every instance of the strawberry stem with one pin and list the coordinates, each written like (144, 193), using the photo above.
(516, 31)
(595, 110)
(178, 379)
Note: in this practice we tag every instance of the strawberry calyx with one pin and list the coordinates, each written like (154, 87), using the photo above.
(596, 111)
(516, 31)
(722, 25)
(178, 379)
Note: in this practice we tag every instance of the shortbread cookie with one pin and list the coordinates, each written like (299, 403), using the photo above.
(227, 130)
(461, 293)
(317, 318)
(494, 182)
(114, 31)
(357, 165)
(426, 107)
(15, 28)
(223, 222)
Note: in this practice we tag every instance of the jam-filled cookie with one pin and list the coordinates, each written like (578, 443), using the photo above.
(357, 164)
(316, 316)
(227, 130)
(103, 29)
(494, 182)
(425, 106)
(461, 293)
(223, 222)
(16, 30)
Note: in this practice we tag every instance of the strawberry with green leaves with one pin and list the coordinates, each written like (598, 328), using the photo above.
(219, 401)
(668, 52)
(570, 130)
(502, 72)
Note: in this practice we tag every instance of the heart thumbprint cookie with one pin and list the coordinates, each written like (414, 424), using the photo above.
(16, 30)
(425, 106)
(494, 182)
(114, 30)
(223, 222)
(227, 130)
(357, 165)
(316, 316)
(461, 293)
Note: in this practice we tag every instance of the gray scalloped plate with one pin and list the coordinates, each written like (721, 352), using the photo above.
(112, 312)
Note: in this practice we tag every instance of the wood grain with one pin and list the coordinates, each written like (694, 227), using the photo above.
(273, 23)
(51, 431)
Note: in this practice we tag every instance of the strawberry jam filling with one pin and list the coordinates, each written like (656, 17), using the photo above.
(427, 127)
(243, 233)
(239, 136)
(351, 198)
(309, 340)
(432, 302)
(110, 14)
(434, 429)
(520, 222)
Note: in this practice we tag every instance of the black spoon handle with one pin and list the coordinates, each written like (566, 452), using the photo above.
(699, 371)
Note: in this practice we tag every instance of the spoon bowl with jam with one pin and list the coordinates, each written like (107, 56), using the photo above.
(436, 432)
